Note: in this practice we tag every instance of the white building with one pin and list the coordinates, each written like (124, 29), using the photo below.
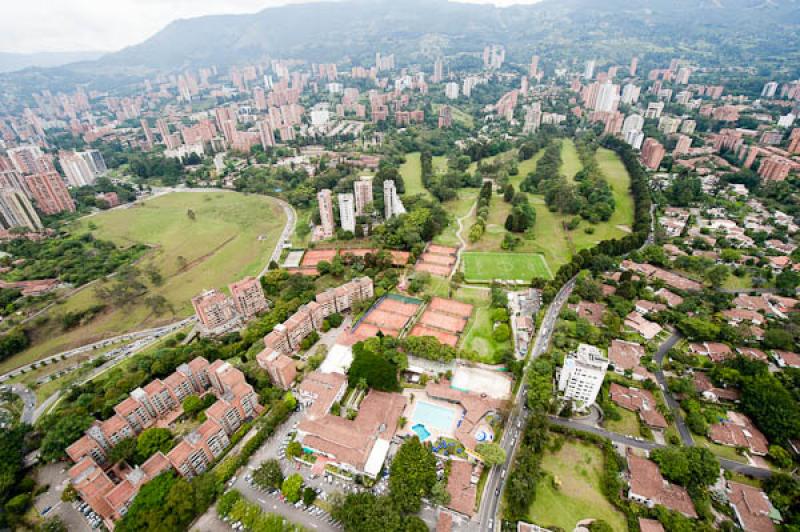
(588, 72)
(451, 90)
(787, 120)
(630, 93)
(363, 194)
(607, 98)
(16, 210)
(347, 212)
(668, 125)
(634, 139)
(769, 90)
(633, 123)
(654, 110)
(582, 375)
(392, 204)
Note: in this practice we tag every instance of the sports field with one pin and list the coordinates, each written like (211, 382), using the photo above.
(487, 266)
(228, 236)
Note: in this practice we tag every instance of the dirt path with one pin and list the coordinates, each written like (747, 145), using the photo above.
(463, 242)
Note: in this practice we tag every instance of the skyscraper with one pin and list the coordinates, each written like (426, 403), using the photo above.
(533, 71)
(438, 70)
(582, 375)
(363, 194)
(607, 98)
(588, 72)
(347, 212)
(17, 211)
(630, 93)
(393, 206)
(769, 90)
(49, 192)
(634, 65)
(325, 203)
(652, 153)
(451, 90)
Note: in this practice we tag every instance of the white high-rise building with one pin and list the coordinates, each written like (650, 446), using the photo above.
(363, 193)
(633, 123)
(668, 124)
(787, 120)
(451, 90)
(325, 202)
(607, 98)
(588, 72)
(17, 211)
(634, 138)
(654, 110)
(582, 375)
(347, 212)
(769, 90)
(688, 127)
(393, 206)
(83, 167)
(630, 93)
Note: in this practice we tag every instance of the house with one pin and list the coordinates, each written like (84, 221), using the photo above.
(738, 431)
(736, 316)
(752, 352)
(706, 388)
(461, 488)
(645, 307)
(641, 401)
(752, 508)
(591, 312)
(646, 328)
(672, 299)
(626, 356)
(716, 351)
(786, 359)
(650, 525)
(648, 487)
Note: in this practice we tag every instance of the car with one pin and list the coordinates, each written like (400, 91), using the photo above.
(497, 492)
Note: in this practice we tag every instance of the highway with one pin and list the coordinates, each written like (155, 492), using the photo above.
(490, 500)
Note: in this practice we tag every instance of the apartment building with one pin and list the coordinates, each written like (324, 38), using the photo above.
(17, 211)
(582, 375)
(248, 297)
(49, 193)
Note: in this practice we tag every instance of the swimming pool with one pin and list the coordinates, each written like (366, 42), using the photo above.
(434, 417)
(421, 431)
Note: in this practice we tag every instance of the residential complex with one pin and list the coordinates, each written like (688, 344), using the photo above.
(218, 313)
(582, 375)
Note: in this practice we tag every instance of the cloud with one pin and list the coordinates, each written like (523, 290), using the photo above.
(108, 25)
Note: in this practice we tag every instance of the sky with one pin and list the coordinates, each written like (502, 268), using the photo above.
(28, 26)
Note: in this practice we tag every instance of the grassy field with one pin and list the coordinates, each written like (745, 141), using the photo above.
(571, 491)
(571, 163)
(478, 337)
(723, 451)
(457, 208)
(232, 236)
(627, 425)
(458, 115)
(507, 266)
(411, 170)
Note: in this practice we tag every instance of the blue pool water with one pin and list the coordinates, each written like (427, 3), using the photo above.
(421, 431)
(434, 416)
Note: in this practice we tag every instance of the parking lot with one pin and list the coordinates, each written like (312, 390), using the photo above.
(49, 503)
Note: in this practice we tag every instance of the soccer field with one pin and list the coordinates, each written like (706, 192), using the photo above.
(487, 266)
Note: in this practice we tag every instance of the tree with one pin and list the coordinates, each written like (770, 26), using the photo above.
(364, 512)
(508, 193)
(294, 449)
(63, 433)
(717, 275)
(692, 467)
(151, 441)
(412, 476)
(491, 453)
(123, 451)
(309, 496)
(780, 456)
(372, 364)
(501, 333)
(192, 405)
(291, 487)
(787, 281)
(772, 408)
(439, 493)
(268, 475)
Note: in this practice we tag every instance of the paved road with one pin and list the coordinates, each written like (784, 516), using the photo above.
(490, 501)
(286, 234)
(730, 465)
(683, 430)
(28, 402)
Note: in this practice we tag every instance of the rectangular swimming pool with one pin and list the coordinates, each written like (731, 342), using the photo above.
(434, 416)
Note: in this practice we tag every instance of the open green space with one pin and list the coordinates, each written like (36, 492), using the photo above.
(479, 338)
(456, 209)
(458, 115)
(571, 492)
(722, 451)
(628, 424)
(227, 237)
(411, 170)
(485, 267)
(571, 163)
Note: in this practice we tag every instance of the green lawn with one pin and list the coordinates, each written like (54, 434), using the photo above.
(723, 451)
(570, 162)
(411, 170)
(457, 208)
(627, 425)
(219, 246)
(483, 267)
(479, 339)
(571, 491)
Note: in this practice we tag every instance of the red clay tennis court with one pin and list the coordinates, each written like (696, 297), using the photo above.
(441, 250)
(432, 258)
(313, 257)
(381, 318)
(443, 337)
(398, 307)
(450, 306)
(444, 322)
(435, 269)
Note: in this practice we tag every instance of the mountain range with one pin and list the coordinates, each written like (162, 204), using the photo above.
(10, 62)
(711, 31)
